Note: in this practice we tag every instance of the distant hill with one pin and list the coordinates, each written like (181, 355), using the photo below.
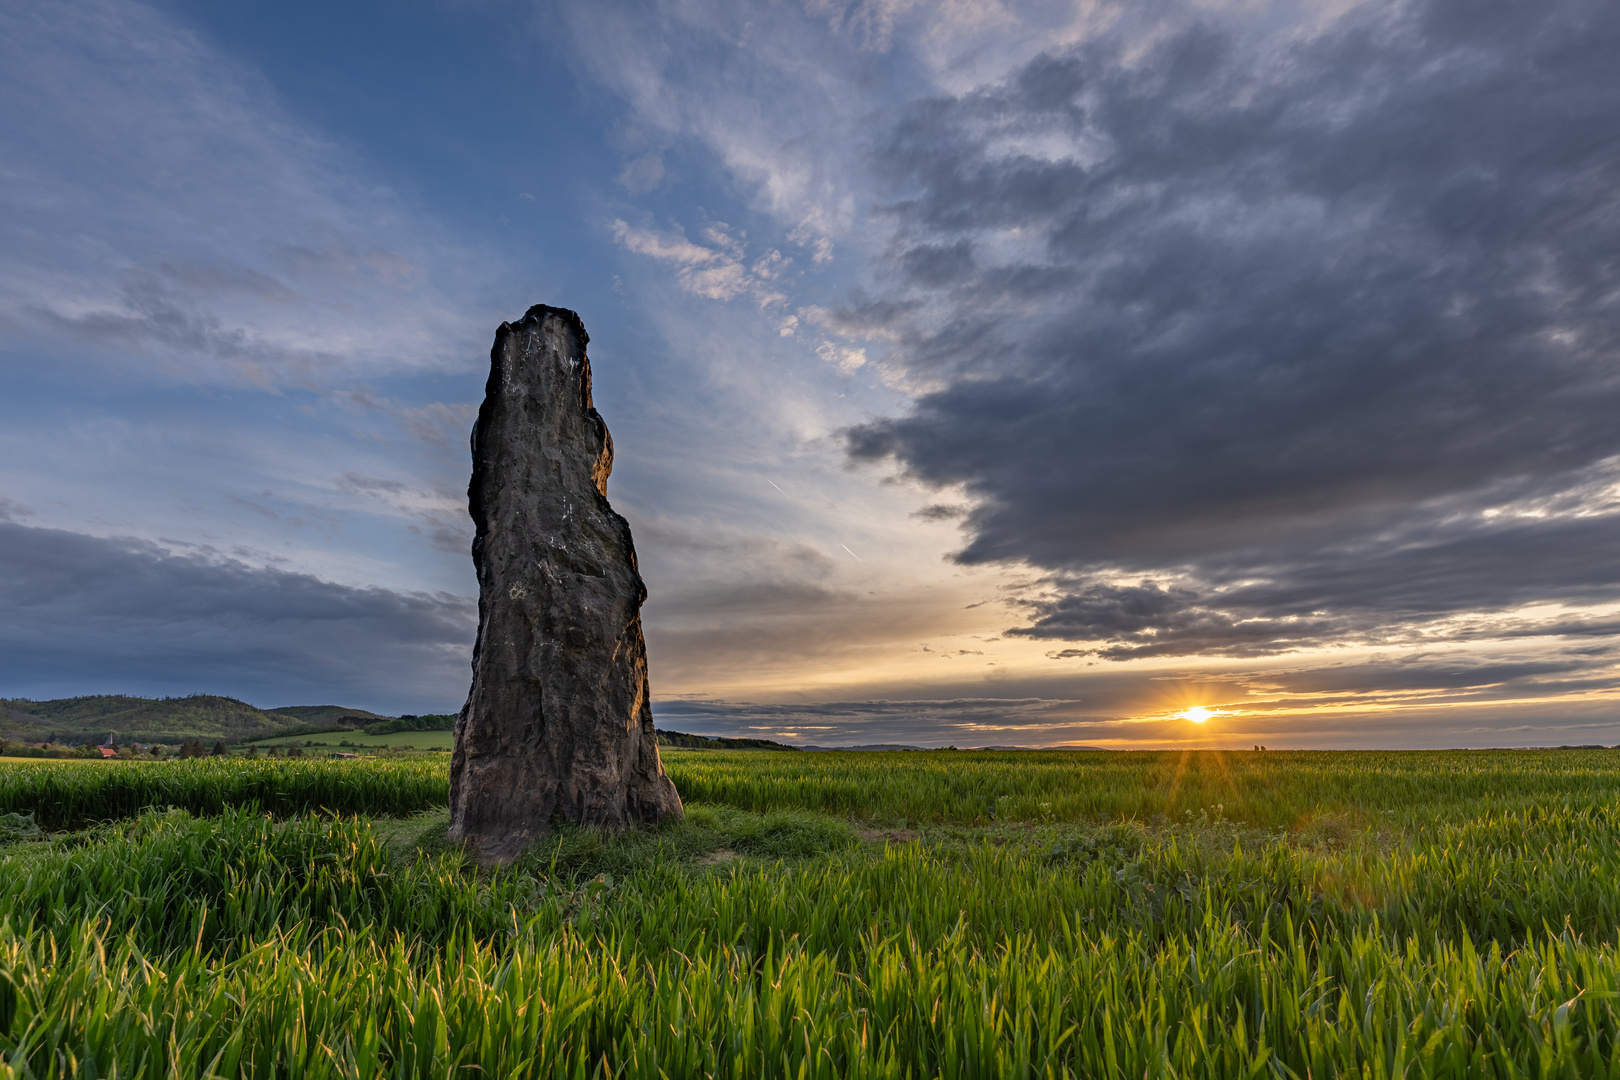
(160, 720)
(716, 742)
(316, 715)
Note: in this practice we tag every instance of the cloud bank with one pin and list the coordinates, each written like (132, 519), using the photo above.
(1264, 341)
(89, 614)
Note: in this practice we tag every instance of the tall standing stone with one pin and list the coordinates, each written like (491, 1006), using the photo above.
(558, 724)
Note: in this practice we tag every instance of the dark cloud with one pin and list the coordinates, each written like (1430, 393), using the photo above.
(940, 512)
(1472, 575)
(1436, 673)
(1297, 340)
(86, 614)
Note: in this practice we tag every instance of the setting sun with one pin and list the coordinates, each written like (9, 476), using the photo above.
(1197, 714)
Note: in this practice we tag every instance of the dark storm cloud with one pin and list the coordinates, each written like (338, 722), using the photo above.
(1424, 672)
(940, 512)
(1298, 340)
(86, 614)
(1355, 593)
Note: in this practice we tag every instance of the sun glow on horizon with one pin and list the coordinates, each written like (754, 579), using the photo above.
(1197, 714)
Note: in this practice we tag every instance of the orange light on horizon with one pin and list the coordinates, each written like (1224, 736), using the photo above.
(1198, 714)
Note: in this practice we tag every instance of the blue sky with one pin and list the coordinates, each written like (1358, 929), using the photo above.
(979, 372)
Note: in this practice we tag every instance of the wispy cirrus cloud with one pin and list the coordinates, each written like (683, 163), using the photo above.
(160, 204)
(440, 515)
(717, 269)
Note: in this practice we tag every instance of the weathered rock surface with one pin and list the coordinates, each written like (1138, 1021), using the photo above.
(558, 724)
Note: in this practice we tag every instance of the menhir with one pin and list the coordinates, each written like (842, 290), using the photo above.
(558, 725)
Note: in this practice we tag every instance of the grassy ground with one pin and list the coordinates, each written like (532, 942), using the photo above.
(70, 795)
(940, 914)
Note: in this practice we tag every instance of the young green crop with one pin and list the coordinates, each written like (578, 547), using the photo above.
(303, 949)
(1212, 1004)
(1277, 789)
(1271, 789)
(68, 795)
(1367, 915)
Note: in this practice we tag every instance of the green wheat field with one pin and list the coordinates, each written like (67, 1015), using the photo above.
(956, 914)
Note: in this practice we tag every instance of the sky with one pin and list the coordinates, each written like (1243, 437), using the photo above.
(979, 372)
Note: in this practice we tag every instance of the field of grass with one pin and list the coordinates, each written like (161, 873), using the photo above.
(1277, 789)
(71, 794)
(819, 915)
